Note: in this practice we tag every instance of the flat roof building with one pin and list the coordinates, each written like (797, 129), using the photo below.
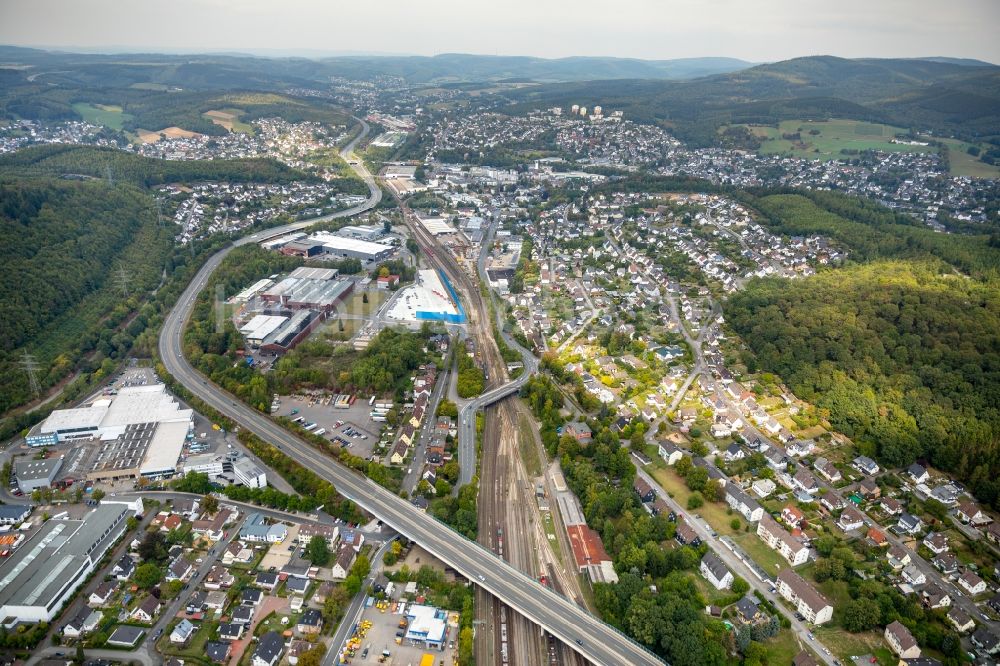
(34, 474)
(108, 417)
(352, 248)
(42, 574)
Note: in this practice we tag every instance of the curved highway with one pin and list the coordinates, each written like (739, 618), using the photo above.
(583, 632)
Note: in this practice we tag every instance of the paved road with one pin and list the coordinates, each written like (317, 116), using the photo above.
(209, 560)
(353, 612)
(426, 433)
(138, 656)
(583, 632)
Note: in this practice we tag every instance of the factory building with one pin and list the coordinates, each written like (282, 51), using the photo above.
(242, 471)
(109, 416)
(34, 474)
(334, 245)
(40, 576)
(308, 293)
(365, 232)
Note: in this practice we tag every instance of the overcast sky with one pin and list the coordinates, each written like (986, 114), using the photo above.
(756, 30)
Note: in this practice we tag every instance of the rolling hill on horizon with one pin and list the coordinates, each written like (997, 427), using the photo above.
(948, 97)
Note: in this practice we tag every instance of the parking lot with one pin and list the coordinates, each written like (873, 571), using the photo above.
(382, 636)
(356, 430)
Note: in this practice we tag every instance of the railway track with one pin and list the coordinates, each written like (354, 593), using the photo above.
(509, 522)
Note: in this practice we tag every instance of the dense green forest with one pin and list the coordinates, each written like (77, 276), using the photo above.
(870, 231)
(79, 256)
(900, 346)
(119, 166)
(905, 358)
(90, 269)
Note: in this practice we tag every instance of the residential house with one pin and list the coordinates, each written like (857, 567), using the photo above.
(218, 651)
(251, 597)
(891, 506)
(179, 569)
(643, 489)
(309, 530)
(913, 575)
(869, 489)
(827, 470)
(670, 453)
(804, 480)
(832, 501)
(934, 597)
(918, 473)
(344, 560)
(579, 431)
(124, 568)
(898, 557)
(865, 465)
(972, 583)
(83, 623)
(218, 578)
(102, 595)
(807, 600)
(909, 524)
(792, 516)
(182, 632)
(969, 512)
(851, 519)
(876, 537)
(147, 610)
(763, 487)
(936, 542)
(986, 640)
(237, 553)
(685, 535)
(734, 452)
(256, 529)
(243, 614)
(231, 631)
(960, 620)
(269, 649)
(267, 580)
(311, 622)
(779, 539)
(715, 571)
(747, 506)
(901, 641)
(748, 612)
(946, 563)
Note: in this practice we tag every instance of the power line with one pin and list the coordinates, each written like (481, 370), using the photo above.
(30, 366)
(122, 279)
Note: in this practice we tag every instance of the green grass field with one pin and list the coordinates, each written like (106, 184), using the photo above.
(108, 115)
(964, 164)
(831, 137)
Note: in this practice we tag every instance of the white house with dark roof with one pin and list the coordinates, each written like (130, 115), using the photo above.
(715, 572)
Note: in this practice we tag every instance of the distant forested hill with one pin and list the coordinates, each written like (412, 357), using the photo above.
(68, 160)
(234, 71)
(949, 97)
(901, 346)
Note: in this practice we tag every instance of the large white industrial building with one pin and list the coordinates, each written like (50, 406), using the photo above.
(41, 575)
(140, 431)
